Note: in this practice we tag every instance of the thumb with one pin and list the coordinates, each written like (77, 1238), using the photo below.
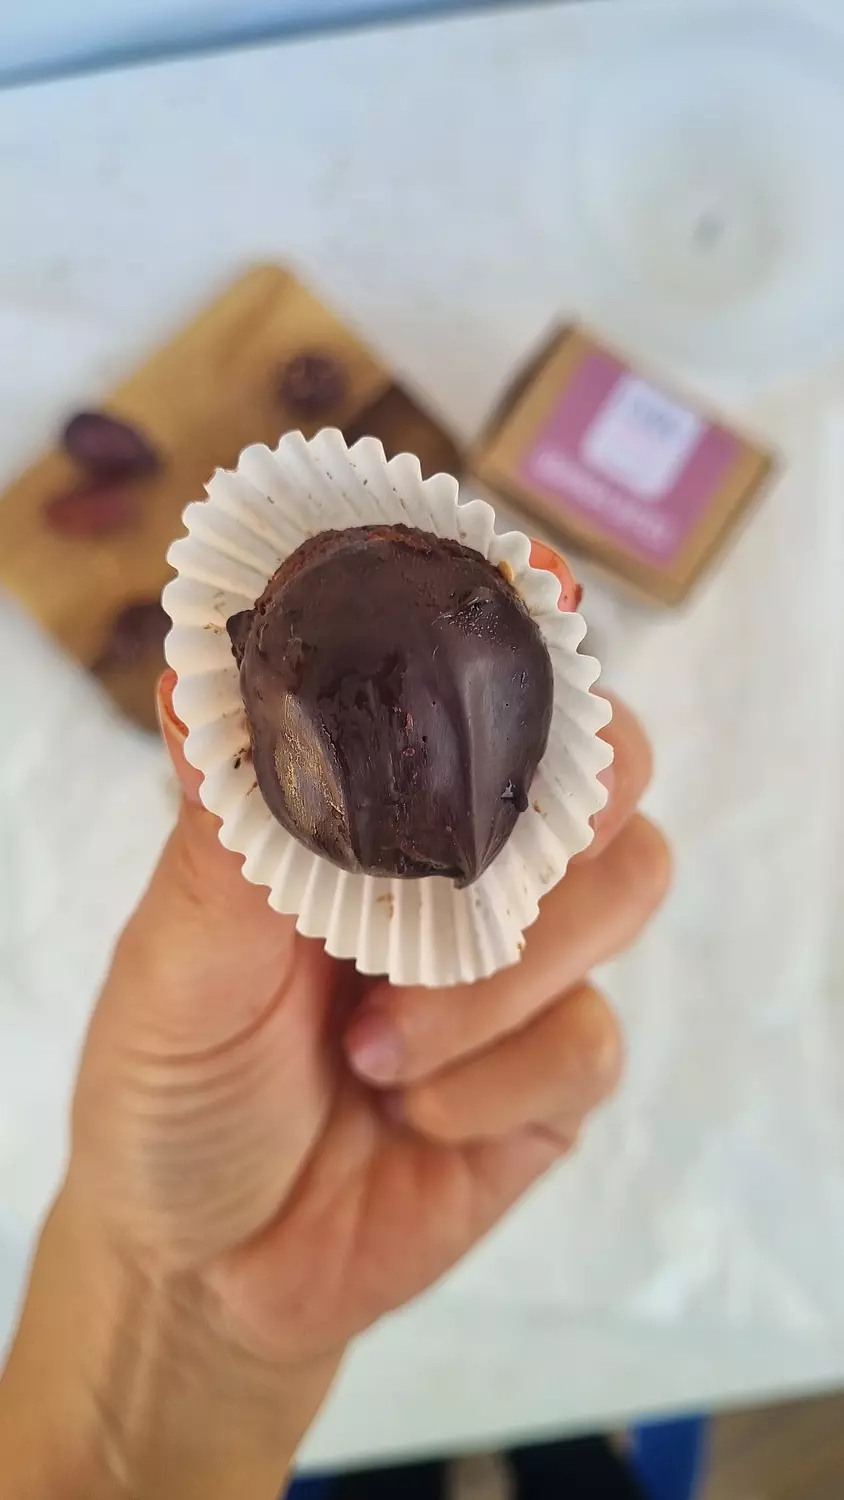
(205, 1055)
(204, 955)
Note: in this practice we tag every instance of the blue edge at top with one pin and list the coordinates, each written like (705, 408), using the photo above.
(232, 34)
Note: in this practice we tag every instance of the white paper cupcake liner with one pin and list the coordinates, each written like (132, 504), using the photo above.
(414, 931)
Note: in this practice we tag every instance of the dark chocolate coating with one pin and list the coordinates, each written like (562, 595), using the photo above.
(399, 699)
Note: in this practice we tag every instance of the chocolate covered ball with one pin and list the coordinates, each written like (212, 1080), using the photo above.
(399, 699)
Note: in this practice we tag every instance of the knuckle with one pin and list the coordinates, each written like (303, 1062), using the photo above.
(642, 856)
(560, 1133)
(426, 1110)
(601, 1050)
(608, 1057)
(633, 750)
(644, 759)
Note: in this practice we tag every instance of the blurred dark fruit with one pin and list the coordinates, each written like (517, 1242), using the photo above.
(108, 447)
(138, 630)
(313, 384)
(97, 509)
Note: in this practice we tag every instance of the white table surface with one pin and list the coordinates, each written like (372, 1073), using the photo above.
(691, 1253)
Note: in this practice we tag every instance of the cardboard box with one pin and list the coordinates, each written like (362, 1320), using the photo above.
(616, 464)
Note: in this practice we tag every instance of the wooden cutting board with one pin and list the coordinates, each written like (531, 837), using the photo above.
(219, 385)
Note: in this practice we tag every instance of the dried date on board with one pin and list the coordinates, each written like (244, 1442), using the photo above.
(109, 447)
(96, 509)
(313, 384)
(138, 630)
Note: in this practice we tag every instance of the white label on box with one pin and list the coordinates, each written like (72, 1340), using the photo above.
(641, 438)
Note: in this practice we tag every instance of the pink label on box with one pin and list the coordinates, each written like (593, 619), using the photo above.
(629, 458)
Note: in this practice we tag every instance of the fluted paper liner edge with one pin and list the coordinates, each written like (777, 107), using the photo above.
(415, 931)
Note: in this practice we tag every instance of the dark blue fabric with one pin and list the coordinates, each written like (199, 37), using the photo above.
(584, 1468)
(668, 1457)
(666, 1462)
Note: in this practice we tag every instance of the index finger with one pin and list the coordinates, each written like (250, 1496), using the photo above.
(400, 1035)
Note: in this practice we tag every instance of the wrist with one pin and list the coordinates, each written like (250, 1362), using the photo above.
(120, 1386)
(50, 1430)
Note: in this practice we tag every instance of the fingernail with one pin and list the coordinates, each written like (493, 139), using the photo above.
(545, 557)
(168, 718)
(375, 1048)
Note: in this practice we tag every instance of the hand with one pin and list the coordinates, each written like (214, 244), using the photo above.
(270, 1152)
(316, 1146)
